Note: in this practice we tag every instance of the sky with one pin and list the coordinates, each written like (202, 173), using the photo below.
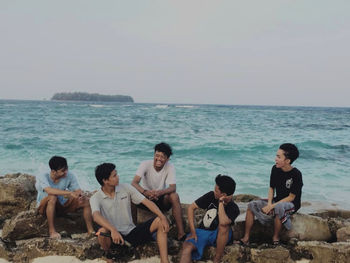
(271, 52)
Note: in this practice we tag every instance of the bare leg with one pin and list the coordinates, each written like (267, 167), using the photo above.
(177, 213)
(50, 214)
(249, 221)
(277, 229)
(221, 241)
(105, 242)
(162, 240)
(87, 216)
(186, 254)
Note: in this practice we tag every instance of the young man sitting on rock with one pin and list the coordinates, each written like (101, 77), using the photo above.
(59, 193)
(159, 184)
(215, 227)
(111, 210)
(287, 181)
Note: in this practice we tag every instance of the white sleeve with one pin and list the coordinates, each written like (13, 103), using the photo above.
(95, 204)
(136, 196)
(141, 171)
(171, 178)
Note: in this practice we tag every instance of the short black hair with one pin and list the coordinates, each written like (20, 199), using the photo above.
(164, 148)
(291, 152)
(57, 163)
(103, 171)
(226, 184)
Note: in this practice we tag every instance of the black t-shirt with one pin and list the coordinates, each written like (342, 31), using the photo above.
(286, 183)
(210, 220)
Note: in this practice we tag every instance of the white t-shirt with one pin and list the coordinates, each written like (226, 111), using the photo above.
(153, 180)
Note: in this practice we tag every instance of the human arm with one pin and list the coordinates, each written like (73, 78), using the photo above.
(190, 218)
(154, 208)
(136, 183)
(159, 193)
(150, 194)
(267, 209)
(103, 222)
(224, 220)
(54, 191)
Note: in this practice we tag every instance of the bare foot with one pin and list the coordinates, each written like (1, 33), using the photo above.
(55, 235)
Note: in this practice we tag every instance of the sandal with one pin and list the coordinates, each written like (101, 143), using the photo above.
(276, 243)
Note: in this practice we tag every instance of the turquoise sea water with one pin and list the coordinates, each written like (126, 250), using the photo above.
(207, 139)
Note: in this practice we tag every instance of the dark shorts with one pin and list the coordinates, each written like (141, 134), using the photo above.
(141, 234)
(159, 203)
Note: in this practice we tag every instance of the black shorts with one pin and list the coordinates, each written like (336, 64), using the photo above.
(159, 203)
(141, 234)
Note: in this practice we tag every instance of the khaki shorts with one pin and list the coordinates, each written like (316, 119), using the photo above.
(71, 205)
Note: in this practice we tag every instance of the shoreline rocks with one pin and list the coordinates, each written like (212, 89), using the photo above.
(320, 236)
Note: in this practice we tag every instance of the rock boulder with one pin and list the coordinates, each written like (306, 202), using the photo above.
(30, 224)
(17, 193)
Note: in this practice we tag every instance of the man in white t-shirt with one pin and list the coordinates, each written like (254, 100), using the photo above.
(159, 184)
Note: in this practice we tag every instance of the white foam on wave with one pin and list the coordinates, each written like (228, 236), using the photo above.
(162, 106)
(185, 106)
(97, 106)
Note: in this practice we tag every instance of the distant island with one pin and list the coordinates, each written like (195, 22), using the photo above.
(84, 96)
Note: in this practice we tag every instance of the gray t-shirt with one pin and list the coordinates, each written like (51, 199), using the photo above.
(118, 210)
(153, 180)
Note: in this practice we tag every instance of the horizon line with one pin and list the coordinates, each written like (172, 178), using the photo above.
(179, 103)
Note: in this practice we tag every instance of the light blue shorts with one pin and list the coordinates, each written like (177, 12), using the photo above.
(205, 238)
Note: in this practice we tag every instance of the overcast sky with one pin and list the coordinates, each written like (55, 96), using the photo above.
(294, 52)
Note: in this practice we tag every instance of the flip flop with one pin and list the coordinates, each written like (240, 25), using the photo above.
(276, 243)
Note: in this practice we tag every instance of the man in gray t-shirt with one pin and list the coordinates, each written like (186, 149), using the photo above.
(158, 181)
(111, 210)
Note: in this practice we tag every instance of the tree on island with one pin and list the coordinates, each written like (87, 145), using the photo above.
(84, 96)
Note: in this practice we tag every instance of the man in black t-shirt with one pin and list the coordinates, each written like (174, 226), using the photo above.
(287, 182)
(214, 229)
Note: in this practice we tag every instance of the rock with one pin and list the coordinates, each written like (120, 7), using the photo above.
(305, 227)
(17, 192)
(40, 247)
(29, 224)
(4, 252)
(343, 234)
(322, 252)
(332, 213)
(308, 228)
(271, 255)
(245, 198)
(232, 254)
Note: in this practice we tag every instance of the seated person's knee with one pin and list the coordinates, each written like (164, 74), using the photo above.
(187, 247)
(52, 199)
(174, 197)
(223, 228)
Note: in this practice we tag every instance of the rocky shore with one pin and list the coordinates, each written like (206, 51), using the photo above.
(319, 234)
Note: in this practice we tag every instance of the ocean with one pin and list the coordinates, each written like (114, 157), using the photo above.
(207, 140)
